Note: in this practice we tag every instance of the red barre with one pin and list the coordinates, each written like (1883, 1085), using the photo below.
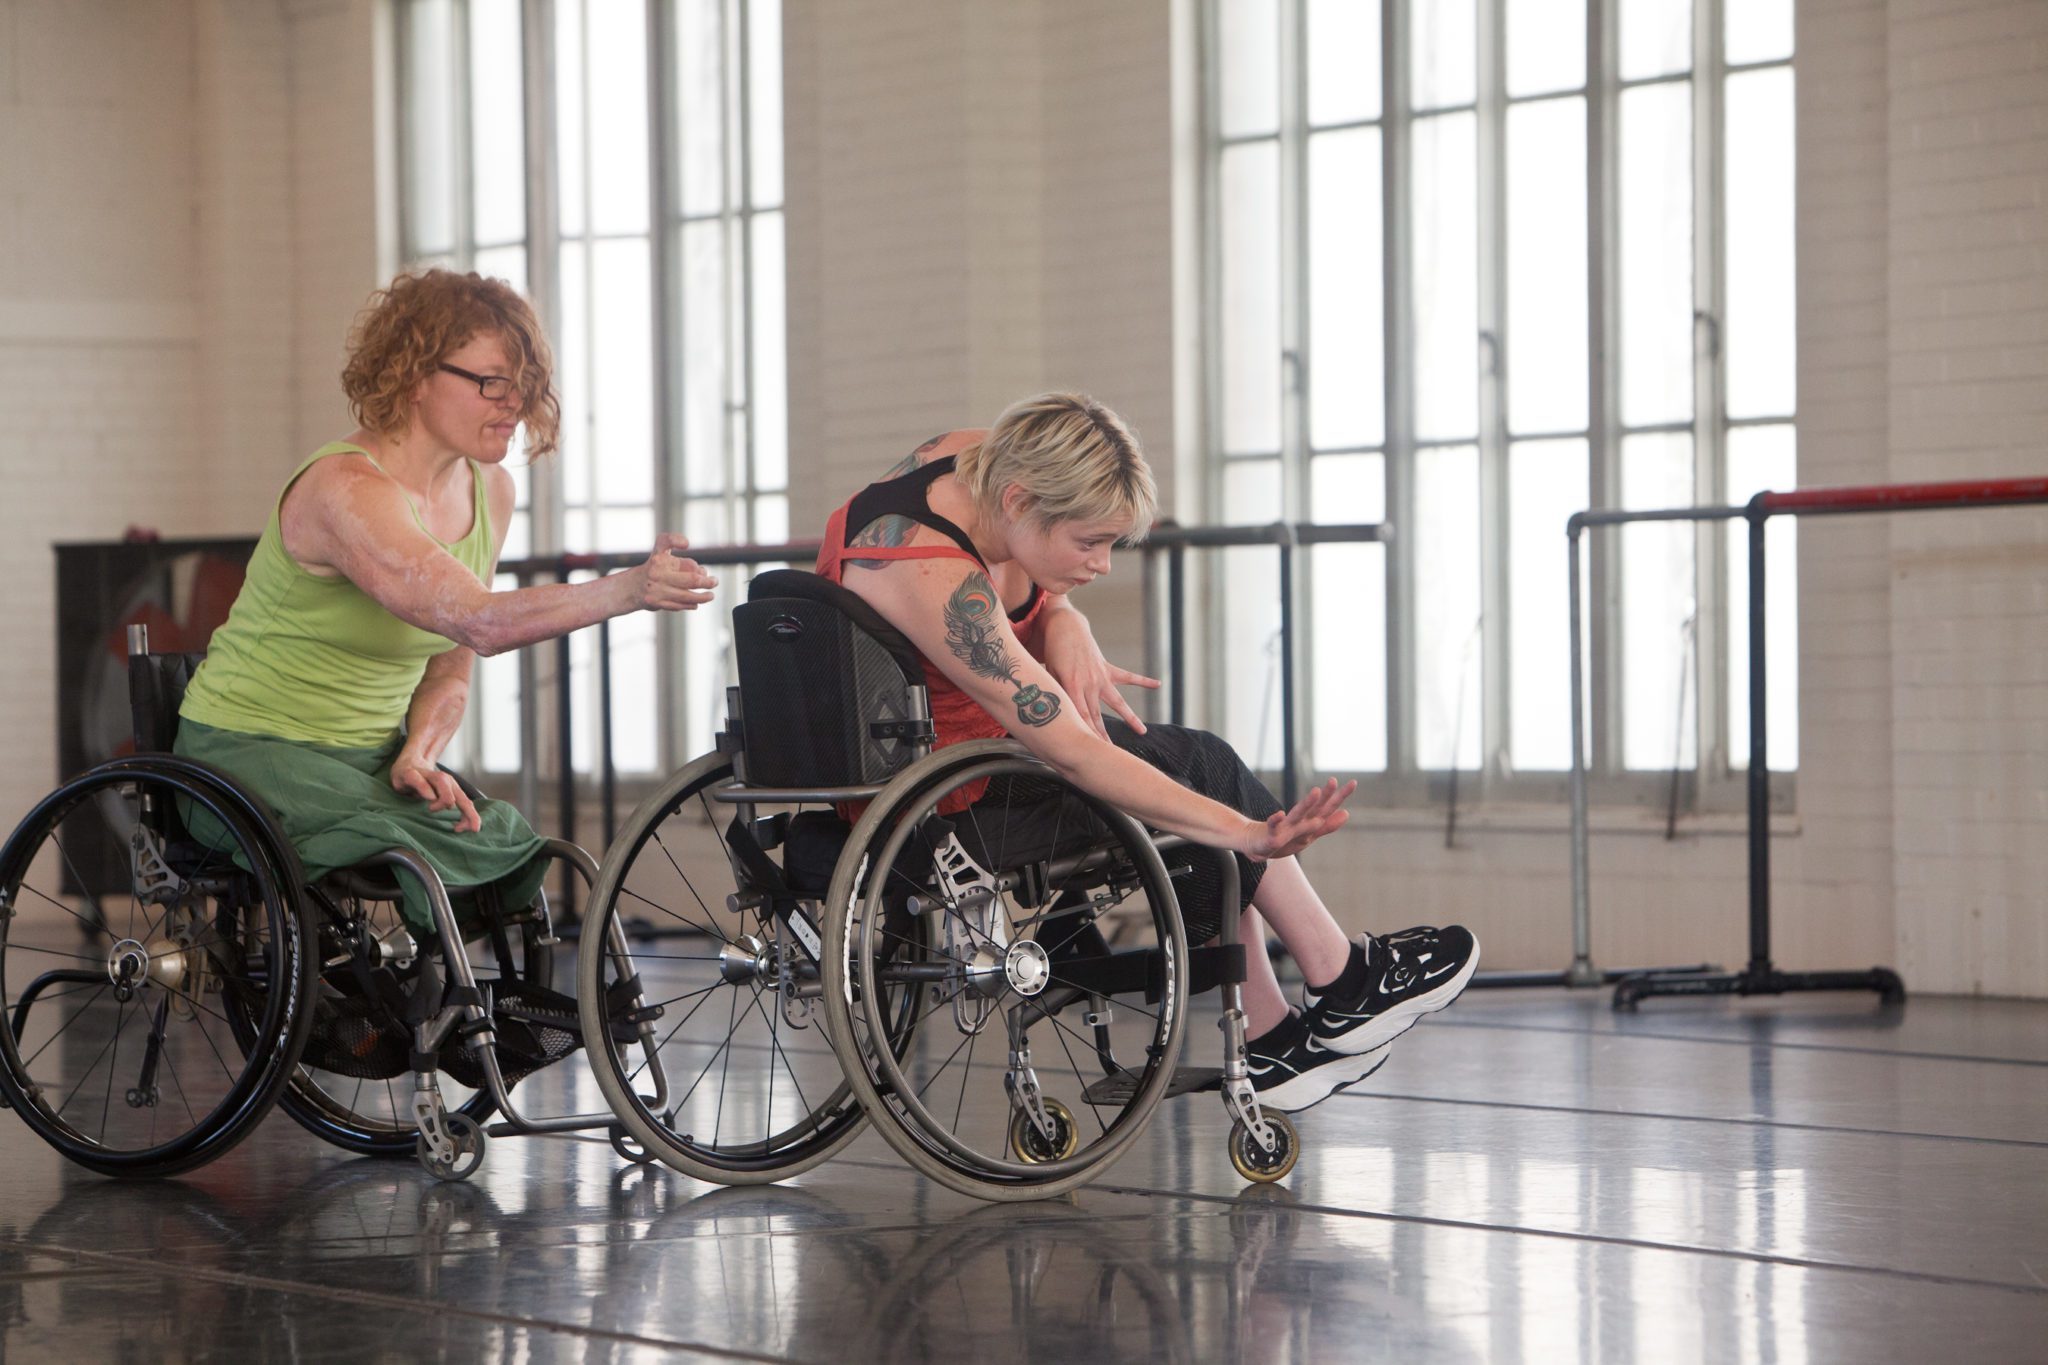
(1901, 496)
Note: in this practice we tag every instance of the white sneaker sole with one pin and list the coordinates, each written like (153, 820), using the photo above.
(1314, 1086)
(1383, 1029)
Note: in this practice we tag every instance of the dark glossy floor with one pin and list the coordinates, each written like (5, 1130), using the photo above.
(1531, 1178)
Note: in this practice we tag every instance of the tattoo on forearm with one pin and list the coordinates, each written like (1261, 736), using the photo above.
(973, 614)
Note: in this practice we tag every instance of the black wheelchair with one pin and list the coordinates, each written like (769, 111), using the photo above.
(160, 991)
(832, 915)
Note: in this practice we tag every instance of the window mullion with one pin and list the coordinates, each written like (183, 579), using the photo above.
(1495, 604)
(1208, 499)
(664, 267)
(728, 187)
(461, 170)
(1710, 390)
(543, 283)
(740, 130)
(1294, 365)
(1399, 381)
(1603, 270)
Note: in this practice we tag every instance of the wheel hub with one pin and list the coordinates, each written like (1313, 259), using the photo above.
(130, 963)
(1027, 966)
(987, 972)
(745, 959)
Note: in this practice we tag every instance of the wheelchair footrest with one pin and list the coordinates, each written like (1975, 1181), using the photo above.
(1187, 1080)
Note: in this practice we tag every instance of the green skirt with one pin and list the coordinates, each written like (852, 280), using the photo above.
(337, 806)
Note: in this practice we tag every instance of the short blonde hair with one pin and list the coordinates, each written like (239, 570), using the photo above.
(1073, 458)
(412, 324)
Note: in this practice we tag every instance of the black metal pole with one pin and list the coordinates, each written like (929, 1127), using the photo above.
(1289, 779)
(1759, 755)
(608, 772)
(1176, 632)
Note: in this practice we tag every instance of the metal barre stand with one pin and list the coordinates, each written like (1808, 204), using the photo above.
(1760, 976)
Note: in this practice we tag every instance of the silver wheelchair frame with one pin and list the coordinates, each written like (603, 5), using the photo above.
(800, 947)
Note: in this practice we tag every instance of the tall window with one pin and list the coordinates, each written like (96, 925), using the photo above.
(621, 162)
(1475, 265)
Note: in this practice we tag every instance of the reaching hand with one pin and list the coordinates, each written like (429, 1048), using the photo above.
(1075, 661)
(669, 581)
(438, 789)
(1288, 832)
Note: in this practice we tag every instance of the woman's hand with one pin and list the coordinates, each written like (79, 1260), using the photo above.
(438, 789)
(1075, 661)
(669, 581)
(1286, 833)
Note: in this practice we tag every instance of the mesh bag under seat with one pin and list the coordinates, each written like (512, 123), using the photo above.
(831, 695)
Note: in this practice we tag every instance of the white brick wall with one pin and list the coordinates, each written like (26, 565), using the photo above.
(1967, 374)
(157, 161)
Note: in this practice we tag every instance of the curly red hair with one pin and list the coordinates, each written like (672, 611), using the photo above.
(412, 324)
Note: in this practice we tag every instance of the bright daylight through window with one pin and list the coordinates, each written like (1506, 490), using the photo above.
(1472, 266)
(637, 199)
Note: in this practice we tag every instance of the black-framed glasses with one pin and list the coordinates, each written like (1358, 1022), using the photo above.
(492, 386)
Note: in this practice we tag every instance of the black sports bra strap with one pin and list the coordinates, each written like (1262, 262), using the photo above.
(905, 496)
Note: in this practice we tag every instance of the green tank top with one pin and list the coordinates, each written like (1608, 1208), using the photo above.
(316, 659)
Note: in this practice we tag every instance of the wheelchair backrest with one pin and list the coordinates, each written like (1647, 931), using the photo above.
(156, 689)
(831, 695)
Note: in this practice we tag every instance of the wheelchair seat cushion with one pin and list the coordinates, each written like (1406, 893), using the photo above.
(338, 808)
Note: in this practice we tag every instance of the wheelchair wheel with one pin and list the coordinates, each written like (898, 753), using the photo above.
(119, 1031)
(353, 1086)
(1254, 1162)
(700, 1000)
(1041, 1052)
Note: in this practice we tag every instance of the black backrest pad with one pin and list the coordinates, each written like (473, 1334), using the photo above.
(817, 667)
(156, 689)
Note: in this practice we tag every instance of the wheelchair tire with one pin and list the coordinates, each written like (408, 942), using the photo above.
(1045, 970)
(120, 1042)
(708, 1051)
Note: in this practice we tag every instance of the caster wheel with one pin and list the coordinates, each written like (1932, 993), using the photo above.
(1254, 1162)
(628, 1146)
(1028, 1144)
(468, 1137)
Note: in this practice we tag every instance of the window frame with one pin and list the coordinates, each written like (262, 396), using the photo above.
(669, 503)
(1712, 783)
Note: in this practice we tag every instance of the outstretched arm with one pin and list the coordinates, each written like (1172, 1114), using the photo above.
(346, 515)
(951, 612)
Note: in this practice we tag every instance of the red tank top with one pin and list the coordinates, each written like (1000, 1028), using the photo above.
(956, 716)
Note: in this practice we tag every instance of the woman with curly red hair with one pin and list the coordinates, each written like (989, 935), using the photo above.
(343, 669)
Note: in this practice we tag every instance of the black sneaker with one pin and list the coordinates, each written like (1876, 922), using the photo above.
(1408, 974)
(1289, 1077)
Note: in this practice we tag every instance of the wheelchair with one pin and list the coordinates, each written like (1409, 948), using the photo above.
(161, 990)
(832, 916)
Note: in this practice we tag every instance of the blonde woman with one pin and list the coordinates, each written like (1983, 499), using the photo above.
(343, 669)
(970, 547)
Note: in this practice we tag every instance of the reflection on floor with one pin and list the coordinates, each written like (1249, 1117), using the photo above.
(1531, 1178)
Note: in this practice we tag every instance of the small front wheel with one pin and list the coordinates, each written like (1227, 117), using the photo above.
(1028, 1144)
(1257, 1164)
(468, 1136)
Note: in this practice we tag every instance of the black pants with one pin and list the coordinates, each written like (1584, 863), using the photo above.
(1024, 819)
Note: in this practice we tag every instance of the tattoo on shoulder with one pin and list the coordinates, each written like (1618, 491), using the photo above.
(882, 532)
(973, 633)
